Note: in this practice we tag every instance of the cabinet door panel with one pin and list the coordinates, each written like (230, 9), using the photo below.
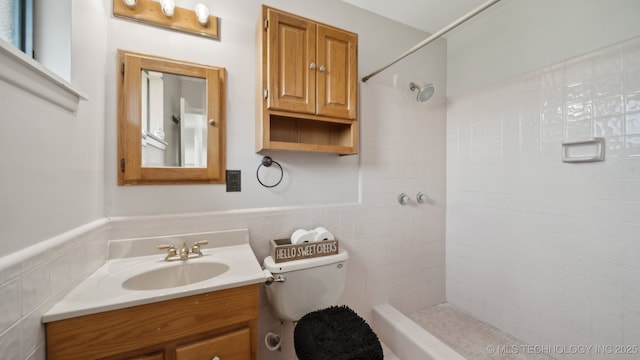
(337, 84)
(291, 51)
(231, 346)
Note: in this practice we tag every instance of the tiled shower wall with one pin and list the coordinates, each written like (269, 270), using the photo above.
(546, 250)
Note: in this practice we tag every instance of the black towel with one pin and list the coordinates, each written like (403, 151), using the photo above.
(335, 333)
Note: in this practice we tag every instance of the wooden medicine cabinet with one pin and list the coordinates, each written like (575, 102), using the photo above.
(171, 121)
(308, 81)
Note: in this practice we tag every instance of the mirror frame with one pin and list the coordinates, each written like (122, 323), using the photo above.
(130, 169)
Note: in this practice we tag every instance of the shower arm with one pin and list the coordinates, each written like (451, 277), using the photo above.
(433, 37)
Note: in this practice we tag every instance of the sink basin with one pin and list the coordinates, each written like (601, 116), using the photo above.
(180, 274)
(132, 277)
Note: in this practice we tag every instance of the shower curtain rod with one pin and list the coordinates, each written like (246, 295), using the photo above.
(433, 37)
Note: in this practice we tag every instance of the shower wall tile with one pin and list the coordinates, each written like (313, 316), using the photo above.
(405, 253)
(534, 245)
(608, 85)
(633, 103)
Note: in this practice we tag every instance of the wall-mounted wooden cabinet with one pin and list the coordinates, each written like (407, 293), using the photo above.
(308, 83)
(220, 324)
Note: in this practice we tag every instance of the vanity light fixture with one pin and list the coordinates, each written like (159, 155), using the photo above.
(168, 7)
(165, 13)
(130, 3)
(202, 13)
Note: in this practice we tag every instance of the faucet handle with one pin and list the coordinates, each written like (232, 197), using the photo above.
(171, 249)
(195, 248)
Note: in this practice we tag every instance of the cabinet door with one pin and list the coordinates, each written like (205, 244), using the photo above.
(337, 73)
(231, 346)
(291, 43)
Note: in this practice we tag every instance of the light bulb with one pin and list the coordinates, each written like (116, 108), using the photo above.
(202, 13)
(167, 6)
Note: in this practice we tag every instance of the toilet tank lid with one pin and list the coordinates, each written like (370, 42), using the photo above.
(293, 265)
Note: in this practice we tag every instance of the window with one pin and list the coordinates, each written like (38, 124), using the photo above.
(16, 24)
(44, 72)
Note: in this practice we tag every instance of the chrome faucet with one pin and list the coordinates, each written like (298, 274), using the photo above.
(184, 253)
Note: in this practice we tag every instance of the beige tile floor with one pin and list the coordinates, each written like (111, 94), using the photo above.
(471, 338)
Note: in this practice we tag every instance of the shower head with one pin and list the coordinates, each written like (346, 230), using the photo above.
(424, 93)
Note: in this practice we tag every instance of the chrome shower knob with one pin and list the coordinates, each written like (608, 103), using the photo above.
(422, 198)
(403, 199)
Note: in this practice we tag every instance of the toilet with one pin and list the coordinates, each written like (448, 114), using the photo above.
(306, 291)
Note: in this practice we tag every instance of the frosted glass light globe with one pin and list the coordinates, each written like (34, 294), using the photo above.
(202, 13)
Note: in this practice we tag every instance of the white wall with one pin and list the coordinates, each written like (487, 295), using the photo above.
(546, 250)
(53, 160)
(309, 178)
(517, 36)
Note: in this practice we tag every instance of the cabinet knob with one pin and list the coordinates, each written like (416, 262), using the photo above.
(312, 65)
(212, 122)
(322, 68)
(422, 198)
(215, 358)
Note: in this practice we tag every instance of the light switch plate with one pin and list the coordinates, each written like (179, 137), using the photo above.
(234, 181)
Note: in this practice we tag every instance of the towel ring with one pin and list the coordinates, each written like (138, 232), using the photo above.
(267, 162)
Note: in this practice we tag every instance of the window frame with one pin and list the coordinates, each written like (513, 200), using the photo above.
(22, 71)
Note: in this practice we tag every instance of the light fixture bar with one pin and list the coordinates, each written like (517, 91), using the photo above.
(185, 20)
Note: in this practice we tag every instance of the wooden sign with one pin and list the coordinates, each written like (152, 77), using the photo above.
(283, 250)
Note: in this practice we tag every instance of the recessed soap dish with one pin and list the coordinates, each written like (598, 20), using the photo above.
(583, 150)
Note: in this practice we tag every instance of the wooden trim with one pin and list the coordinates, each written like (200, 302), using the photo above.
(340, 150)
(149, 12)
(129, 127)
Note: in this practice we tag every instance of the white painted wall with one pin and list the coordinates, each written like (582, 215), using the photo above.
(309, 178)
(517, 36)
(61, 171)
(53, 160)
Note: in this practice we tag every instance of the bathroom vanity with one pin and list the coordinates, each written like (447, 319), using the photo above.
(144, 307)
(221, 323)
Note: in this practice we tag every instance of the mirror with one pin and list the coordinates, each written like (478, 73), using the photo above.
(174, 121)
(170, 122)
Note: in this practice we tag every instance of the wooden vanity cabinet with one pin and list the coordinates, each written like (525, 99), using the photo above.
(308, 82)
(197, 327)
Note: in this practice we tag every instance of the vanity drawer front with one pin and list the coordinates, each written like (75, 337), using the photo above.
(231, 346)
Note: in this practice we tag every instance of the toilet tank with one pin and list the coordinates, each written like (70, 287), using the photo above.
(309, 284)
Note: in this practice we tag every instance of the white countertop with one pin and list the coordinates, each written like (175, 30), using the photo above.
(103, 291)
